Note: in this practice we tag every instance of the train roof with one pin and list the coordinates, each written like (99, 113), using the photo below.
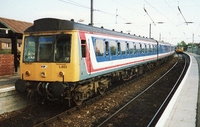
(49, 24)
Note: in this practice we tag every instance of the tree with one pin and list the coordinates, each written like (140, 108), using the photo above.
(183, 44)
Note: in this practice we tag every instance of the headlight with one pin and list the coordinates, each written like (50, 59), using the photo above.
(43, 74)
(27, 73)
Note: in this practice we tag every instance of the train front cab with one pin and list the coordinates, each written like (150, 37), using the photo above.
(48, 62)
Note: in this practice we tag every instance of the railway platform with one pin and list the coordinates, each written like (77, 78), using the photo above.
(10, 100)
(183, 108)
(7, 82)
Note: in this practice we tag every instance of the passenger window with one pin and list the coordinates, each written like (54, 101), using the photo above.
(155, 48)
(138, 47)
(113, 47)
(123, 48)
(145, 48)
(131, 48)
(99, 47)
(161, 50)
(150, 50)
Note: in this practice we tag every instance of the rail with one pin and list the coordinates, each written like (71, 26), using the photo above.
(169, 96)
(153, 120)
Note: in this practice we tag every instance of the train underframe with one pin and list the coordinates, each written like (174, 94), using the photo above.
(80, 91)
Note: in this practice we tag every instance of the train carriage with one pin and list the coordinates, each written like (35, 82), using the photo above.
(64, 59)
(179, 49)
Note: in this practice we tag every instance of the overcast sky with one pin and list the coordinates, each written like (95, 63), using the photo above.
(167, 17)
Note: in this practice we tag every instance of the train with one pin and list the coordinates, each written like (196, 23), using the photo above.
(66, 60)
(179, 49)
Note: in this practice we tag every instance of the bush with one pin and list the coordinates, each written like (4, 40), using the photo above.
(5, 51)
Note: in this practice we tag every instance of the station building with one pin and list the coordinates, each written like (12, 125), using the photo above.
(11, 32)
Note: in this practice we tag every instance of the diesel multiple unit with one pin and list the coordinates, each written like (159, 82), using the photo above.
(62, 59)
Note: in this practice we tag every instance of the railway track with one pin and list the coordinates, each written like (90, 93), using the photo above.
(93, 112)
(127, 114)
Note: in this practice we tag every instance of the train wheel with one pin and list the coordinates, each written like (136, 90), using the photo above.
(77, 99)
(102, 90)
(78, 102)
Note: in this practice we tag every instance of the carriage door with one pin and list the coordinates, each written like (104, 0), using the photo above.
(85, 58)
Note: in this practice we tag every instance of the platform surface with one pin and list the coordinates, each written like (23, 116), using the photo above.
(182, 109)
(7, 82)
